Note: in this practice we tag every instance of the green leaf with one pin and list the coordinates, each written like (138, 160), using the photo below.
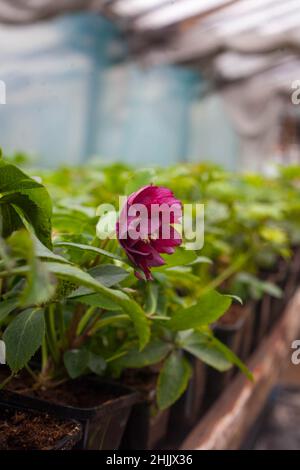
(236, 298)
(271, 289)
(93, 249)
(231, 357)
(6, 307)
(181, 274)
(153, 353)
(152, 291)
(135, 312)
(109, 319)
(21, 194)
(205, 348)
(181, 257)
(94, 300)
(201, 260)
(76, 362)
(208, 309)
(173, 379)
(41, 251)
(23, 337)
(96, 364)
(40, 287)
(108, 274)
(258, 286)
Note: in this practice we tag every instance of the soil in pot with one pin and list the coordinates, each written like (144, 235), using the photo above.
(147, 426)
(25, 430)
(231, 330)
(101, 407)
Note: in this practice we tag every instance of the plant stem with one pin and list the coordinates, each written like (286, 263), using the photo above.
(30, 371)
(85, 319)
(61, 322)
(78, 314)
(6, 381)
(106, 321)
(44, 355)
(51, 332)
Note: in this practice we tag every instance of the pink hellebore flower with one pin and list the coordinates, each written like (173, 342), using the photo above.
(145, 227)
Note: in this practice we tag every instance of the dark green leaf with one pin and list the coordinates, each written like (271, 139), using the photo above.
(76, 362)
(96, 363)
(108, 274)
(173, 380)
(93, 249)
(22, 196)
(6, 307)
(23, 337)
(43, 252)
(206, 349)
(208, 309)
(94, 300)
(40, 287)
(153, 353)
(231, 357)
(181, 257)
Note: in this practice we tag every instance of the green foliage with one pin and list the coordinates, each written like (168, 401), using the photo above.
(7, 306)
(21, 194)
(77, 302)
(205, 347)
(23, 337)
(40, 287)
(173, 379)
(153, 353)
(208, 309)
(80, 361)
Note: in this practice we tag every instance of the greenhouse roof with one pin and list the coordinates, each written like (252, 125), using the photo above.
(233, 38)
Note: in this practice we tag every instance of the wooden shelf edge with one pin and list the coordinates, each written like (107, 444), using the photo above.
(227, 423)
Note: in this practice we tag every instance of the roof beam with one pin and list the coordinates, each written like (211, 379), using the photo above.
(178, 11)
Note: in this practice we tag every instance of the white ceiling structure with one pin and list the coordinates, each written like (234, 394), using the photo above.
(250, 49)
(236, 38)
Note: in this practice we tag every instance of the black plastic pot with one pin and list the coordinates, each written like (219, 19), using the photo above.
(186, 412)
(247, 332)
(263, 318)
(66, 443)
(147, 426)
(287, 278)
(233, 335)
(294, 275)
(297, 264)
(102, 425)
(277, 307)
(269, 308)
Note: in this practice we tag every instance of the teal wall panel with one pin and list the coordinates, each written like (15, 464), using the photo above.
(73, 92)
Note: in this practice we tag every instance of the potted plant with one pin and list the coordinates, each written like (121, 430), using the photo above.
(35, 283)
(68, 312)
